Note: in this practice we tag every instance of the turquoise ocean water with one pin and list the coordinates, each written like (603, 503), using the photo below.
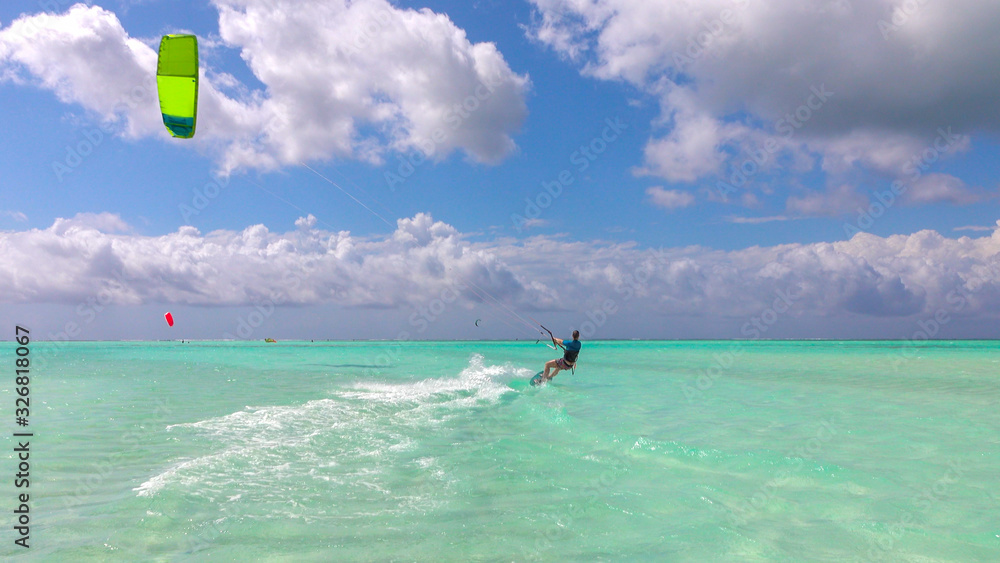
(440, 451)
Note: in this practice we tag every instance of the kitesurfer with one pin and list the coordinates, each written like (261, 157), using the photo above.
(568, 361)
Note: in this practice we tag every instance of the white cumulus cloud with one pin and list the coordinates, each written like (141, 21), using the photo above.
(897, 276)
(341, 79)
(858, 87)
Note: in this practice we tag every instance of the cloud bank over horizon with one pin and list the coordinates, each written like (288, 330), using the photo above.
(92, 255)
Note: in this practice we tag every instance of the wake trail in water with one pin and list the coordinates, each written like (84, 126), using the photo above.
(349, 439)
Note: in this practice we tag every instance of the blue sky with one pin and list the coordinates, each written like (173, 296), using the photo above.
(671, 100)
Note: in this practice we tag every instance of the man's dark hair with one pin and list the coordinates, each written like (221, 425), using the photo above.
(576, 335)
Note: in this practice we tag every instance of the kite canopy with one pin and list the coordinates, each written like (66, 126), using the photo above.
(177, 83)
(170, 319)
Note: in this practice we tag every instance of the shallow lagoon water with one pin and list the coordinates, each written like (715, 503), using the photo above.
(441, 451)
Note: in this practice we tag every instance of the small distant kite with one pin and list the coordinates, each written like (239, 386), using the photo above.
(169, 318)
(478, 321)
(177, 83)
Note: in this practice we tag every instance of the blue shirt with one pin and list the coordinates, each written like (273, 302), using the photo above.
(572, 349)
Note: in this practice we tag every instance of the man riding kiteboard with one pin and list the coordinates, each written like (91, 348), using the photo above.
(568, 361)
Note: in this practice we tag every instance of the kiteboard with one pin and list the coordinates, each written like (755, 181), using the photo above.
(537, 379)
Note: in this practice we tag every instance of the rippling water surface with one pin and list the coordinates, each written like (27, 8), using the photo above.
(441, 451)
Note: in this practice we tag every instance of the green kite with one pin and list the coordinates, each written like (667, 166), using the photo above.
(177, 83)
